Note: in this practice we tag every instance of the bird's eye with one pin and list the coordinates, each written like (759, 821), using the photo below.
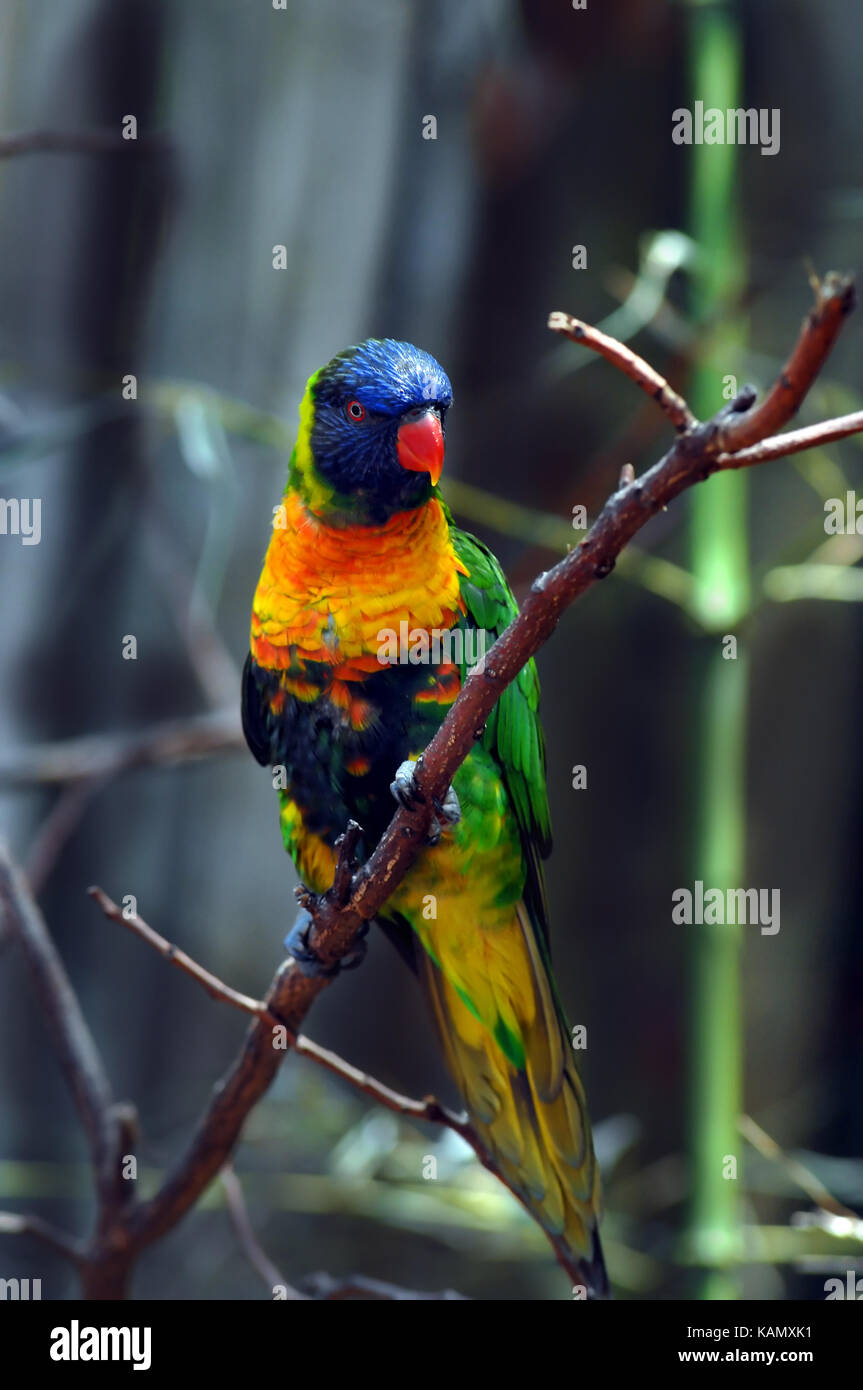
(355, 411)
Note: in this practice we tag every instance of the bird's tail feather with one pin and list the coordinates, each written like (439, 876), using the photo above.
(533, 1124)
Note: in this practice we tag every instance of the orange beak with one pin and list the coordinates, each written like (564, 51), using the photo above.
(420, 445)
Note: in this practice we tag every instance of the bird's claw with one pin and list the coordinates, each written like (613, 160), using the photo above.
(449, 810)
(309, 962)
(404, 789)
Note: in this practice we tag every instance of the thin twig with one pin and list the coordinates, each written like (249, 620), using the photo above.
(257, 1256)
(73, 1042)
(57, 828)
(795, 441)
(797, 1171)
(215, 987)
(431, 1110)
(13, 1224)
(629, 362)
(357, 1287)
(834, 301)
(428, 1109)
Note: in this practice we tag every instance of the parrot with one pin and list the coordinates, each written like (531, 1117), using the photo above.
(363, 546)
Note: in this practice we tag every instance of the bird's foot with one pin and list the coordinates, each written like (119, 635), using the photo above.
(407, 794)
(310, 963)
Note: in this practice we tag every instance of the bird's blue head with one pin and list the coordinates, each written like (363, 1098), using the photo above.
(372, 426)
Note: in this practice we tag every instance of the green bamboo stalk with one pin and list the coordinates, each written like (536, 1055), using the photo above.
(720, 565)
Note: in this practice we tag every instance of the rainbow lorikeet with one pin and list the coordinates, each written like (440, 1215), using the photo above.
(364, 551)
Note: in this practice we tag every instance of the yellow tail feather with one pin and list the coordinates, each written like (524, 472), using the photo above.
(532, 1122)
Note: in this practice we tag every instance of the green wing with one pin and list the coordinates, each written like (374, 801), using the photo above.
(513, 734)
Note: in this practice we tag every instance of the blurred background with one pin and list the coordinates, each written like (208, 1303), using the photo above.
(304, 128)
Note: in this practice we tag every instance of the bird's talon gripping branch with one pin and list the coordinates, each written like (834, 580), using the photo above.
(297, 944)
(404, 786)
(404, 789)
(447, 813)
(309, 962)
(449, 810)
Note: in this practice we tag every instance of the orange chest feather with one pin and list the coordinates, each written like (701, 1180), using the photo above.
(328, 592)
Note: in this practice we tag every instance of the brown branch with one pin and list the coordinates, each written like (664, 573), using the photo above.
(214, 986)
(429, 1109)
(346, 845)
(629, 362)
(219, 1127)
(795, 441)
(73, 1042)
(834, 300)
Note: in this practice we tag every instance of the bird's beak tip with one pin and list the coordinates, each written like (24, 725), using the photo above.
(420, 446)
